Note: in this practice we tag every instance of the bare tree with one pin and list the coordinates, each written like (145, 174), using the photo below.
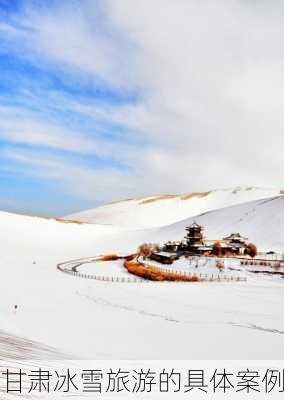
(217, 249)
(251, 249)
(146, 249)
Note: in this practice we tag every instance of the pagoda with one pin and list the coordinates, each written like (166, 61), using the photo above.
(194, 237)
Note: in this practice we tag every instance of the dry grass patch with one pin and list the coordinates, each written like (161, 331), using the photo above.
(152, 273)
(110, 257)
(67, 221)
(158, 198)
(194, 194)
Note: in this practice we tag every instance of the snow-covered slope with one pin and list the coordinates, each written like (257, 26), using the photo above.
(94, 319)
(262, 221)
(163, 210)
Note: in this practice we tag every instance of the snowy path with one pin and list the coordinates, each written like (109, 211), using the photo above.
(98, 269)
(114, 271)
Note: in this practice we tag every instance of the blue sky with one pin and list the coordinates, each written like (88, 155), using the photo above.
(42, 94)
(103, 100)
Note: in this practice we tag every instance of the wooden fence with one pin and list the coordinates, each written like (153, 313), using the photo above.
(70, 269)
(120, 279)
(205, 277)
(263, 263)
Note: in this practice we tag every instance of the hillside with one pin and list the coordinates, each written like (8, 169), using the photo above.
(262, 221)
(82, 315)
(163, 210)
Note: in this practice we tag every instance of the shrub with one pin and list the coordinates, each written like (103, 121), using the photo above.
(251, 249)
(217, 249)
(146, 249)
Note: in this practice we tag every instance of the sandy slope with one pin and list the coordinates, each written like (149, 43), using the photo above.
(163, 210)
(112, 320)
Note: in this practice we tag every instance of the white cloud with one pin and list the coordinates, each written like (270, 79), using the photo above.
(214, 78)
(210, 79)
(8, 30)
(101, 184)
(24, 127)
(75, 36)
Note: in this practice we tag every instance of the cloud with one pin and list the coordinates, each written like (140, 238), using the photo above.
(214, 80)
(208, 84)
(73, 35)
(24, 127)
(96, 185)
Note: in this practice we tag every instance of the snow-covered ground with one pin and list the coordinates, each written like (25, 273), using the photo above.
(92, 319)
(261, 221)
(163, 210)
(104, 268)
(206, 267)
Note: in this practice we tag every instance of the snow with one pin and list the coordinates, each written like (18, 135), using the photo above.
(107, 320)
(160, 211)
(203, 266)
(105, 268)
(261, 221)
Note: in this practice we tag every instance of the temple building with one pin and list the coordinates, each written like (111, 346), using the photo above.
(235, 243)
(194, 239)
(194, 243)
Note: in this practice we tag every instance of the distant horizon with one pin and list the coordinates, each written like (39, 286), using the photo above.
(149, 196)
